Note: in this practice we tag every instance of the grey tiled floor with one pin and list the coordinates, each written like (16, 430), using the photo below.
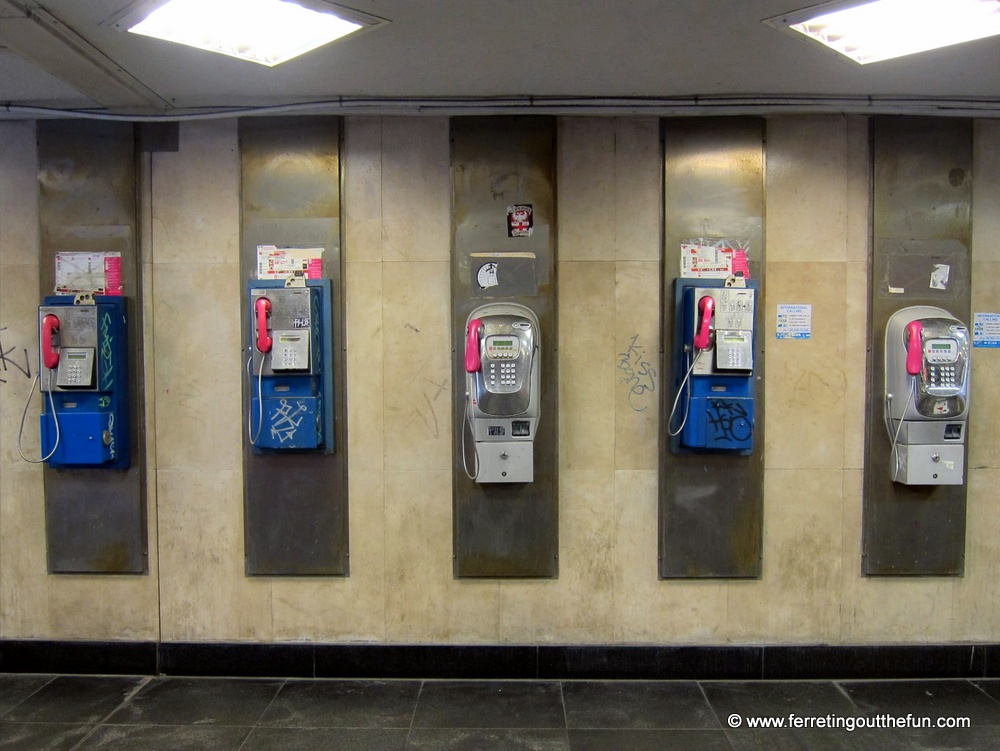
(140, 713)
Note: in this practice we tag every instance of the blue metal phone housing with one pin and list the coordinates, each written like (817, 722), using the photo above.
(293, 410)
(717, 408)
(93, 421)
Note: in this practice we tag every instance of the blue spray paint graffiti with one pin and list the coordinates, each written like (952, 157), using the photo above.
(107, 362)
(730, 420)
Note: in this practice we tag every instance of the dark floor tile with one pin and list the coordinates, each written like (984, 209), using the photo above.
(343, 704)
(490, 704)
(190, 701)
(16, 687)
(777, 699)
(458, 739)
(47, 736)
(74, 699)
(934, 699)
(649, 740)
(983, 738)
(636, 704)
(165, 738)
(820, 740)
(323, 739)
(989, 686)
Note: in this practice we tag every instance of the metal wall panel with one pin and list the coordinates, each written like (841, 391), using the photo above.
(922, 216)
(95, 519)
(711, 505)
(505, 530)
(295, 504)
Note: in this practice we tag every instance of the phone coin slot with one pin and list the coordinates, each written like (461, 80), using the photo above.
(520, 428)
(953, 432)
(281, 388)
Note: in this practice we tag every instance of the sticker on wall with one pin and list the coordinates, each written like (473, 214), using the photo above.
(986, 330)
(280, 263)
(502, 274)
(717, 258)
(794, 321)
(520, 220)
(487, 275)
(939, 276)
(98, 273)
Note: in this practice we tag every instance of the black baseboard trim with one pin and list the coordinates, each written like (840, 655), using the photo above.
(516, 662)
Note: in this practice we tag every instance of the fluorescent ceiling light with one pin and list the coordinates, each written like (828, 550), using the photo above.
(268, 32)
(884, 29)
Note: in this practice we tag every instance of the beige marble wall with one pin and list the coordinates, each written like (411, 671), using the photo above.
(397, 199)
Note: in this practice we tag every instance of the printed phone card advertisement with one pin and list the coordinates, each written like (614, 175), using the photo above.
(720, 258)
(280, 263)
(97, 273)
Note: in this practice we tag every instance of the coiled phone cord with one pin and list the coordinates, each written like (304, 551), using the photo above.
(24, 414)
(260, 401)
(687, 402)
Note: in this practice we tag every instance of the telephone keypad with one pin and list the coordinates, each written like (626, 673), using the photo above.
(504, 372)
(943, 375)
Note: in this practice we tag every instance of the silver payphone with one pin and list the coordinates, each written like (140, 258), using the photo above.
(503, 391)
(927, 373)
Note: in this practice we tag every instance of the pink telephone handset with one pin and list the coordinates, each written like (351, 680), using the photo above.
(473, 362)
(914, 347)
(706, 306)
(50, 356)
(263, 309)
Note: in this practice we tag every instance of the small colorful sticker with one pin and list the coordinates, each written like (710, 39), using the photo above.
(520, 220)
(487, 276)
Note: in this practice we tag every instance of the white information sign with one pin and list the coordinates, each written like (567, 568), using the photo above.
(794, 321)
(986, 330)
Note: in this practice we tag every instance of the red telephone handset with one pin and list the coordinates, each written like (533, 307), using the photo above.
(50, 356)
(263, 309)
(473, 362)
(914, 347)
(706, 306)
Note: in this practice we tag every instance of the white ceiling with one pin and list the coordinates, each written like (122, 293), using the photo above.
(658, 56)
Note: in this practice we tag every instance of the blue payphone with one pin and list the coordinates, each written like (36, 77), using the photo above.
(291, 362)
(83, 351)
(714, 340)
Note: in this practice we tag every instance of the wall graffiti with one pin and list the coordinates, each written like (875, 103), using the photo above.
(10, 360)
(638, 374)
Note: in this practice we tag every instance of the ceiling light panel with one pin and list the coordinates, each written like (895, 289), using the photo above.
(885, 29)
(268, 32)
